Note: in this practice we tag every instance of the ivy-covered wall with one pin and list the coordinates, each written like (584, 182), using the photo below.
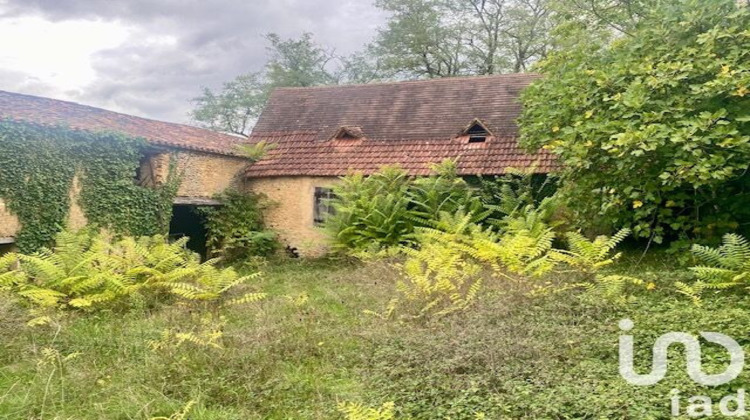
(37, 166)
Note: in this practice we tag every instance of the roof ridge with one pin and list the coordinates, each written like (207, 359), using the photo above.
(402, 82)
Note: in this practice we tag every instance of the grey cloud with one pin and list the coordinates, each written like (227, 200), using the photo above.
(215, 41)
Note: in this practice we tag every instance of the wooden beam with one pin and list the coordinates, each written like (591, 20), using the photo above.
(196, 201)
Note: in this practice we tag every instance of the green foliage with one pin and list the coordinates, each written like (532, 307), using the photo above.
(235, 108)
(589, 259)
(587, 256)
(725, 267)
(509, 356)
(354, 411)
(444, 273)
(371, 212)
(433, 38)
(652, 130)
(439, 277)
(236, 229)
(89, 272)
(298, 62)
(37, 166)
(445, 192)
(382, 210)
(256, 151)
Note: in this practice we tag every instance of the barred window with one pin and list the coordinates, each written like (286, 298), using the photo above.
(323, 207)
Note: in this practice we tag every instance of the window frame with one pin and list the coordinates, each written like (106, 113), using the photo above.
(322, 208)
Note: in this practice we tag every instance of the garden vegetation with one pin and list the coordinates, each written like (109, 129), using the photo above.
(447, 298)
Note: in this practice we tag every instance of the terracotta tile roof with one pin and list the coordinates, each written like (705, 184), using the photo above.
(52, 112)
(408, 123)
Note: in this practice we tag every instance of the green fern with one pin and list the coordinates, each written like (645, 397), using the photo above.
(89, 271)
(724, 267)
(588, 256)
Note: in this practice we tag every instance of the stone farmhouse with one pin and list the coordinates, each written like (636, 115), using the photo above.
(318, 134)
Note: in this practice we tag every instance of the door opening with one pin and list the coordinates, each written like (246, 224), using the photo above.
(188, 221)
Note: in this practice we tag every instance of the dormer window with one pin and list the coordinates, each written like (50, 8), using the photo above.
(476, 132)
(349, 132)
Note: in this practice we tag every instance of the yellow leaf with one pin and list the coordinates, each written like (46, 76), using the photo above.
(555, 129)
(637, 204)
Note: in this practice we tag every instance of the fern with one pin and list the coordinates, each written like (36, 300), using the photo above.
(589, 256)
(725, 267)
(88, 271)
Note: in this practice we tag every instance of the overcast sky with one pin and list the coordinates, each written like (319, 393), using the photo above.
(150, 57)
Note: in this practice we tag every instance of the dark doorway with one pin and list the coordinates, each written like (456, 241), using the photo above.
(188, 221)
(7, 247)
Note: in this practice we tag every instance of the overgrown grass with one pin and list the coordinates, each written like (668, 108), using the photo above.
(310, 346)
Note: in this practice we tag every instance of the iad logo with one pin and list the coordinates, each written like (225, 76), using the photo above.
(699, 405)
(693, 353)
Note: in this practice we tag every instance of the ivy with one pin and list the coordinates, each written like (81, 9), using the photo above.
(236, 229)
(37, 167)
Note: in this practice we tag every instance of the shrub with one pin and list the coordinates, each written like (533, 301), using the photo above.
(236, 229)
(445, 192)
(89, 271)
(382, 210)
(443, 274)
(371, 212)
(653, 130)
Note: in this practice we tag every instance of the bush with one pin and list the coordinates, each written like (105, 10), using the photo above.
(88, 271)
(236, 229)
(381, 211)
(652, 131)
(371, 212)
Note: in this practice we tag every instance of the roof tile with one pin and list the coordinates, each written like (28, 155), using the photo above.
(52, 112)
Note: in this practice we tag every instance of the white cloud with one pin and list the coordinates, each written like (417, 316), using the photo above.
(150, 57)
(56, 54)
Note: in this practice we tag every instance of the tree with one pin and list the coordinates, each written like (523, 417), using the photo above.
(446, 38)
(294, 62)
(235, 108)
(298, 62)
(653, 130)
(420, 41)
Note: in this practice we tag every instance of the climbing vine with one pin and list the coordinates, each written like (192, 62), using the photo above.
(37, 167)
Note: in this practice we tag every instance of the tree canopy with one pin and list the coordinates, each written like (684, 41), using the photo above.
(653, 129)
(293, 62)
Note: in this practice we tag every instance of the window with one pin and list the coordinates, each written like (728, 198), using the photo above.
(144, 173)
(349, 132)
(323, 208)
(477, 133)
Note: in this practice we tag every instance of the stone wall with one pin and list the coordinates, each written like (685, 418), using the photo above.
(9, 225)
(203, 174)
(76, 217)
(291, 212)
